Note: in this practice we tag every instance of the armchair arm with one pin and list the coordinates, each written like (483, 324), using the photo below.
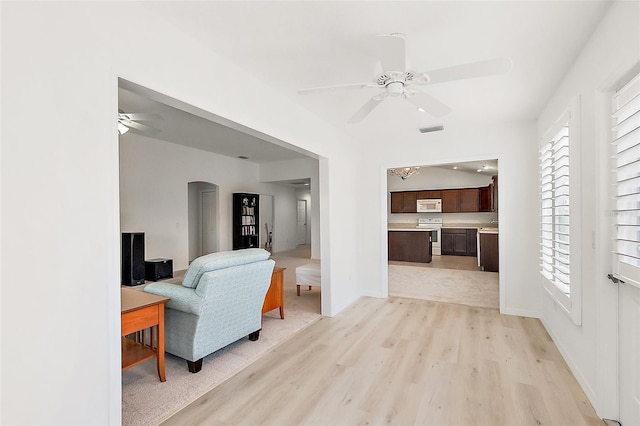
(182, 298)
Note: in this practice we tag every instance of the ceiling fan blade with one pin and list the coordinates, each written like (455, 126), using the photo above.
(139, 126)
(335, 88)
(366, 109)
(142, 116)
(429, 104)
(471, 70)
(392, 51)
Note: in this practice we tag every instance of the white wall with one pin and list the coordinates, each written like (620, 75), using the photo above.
(589, 349)
(154, 195)
(60, 67)
(515, 147)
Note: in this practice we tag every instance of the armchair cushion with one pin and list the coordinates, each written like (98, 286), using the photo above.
(221, 260)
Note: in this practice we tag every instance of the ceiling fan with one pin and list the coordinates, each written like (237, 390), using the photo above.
(128, 121)
(396, 81)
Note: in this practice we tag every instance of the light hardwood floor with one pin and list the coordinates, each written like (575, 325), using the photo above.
(403, 361)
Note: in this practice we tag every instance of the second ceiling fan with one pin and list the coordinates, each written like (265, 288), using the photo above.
(396, 81)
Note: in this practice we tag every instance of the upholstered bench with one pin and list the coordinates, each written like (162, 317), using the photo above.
(307, 274)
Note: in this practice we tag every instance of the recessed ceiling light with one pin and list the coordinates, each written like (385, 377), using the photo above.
(479, 170)
(455, 167)
(420, 109)
(243, 157)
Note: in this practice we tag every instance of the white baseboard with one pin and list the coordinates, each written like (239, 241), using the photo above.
(521, 312)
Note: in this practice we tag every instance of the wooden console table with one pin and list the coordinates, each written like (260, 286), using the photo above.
(275, 294)
(141, 311)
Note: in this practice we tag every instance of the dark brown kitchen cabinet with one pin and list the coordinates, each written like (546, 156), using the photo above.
(454, 242)
(461, 200)
(450, 201)
(489, 196)
(472, 242)
(410, 246)
(426, 195)
(485, 199)
(404, 202)
(494, 193)
(469, 200)
(489, 258)
(458, 242)
(397, 204)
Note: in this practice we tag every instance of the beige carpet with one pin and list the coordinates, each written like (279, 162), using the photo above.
(147, 401)
(471, 288)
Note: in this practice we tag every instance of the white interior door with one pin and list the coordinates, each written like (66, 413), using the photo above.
(629, 335)
(302, 222)
(208, 215)
(626, 233)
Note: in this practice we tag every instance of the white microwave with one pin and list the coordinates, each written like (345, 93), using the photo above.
(431, 205)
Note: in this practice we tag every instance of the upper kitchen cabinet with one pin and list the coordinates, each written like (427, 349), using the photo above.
(485, 199)
(469, 200)
(494, 193)
(404, 202)
(489, 196)
(461, 200)
(426, 195)
(450, 201)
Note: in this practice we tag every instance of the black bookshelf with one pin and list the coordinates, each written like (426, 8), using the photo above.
(245, 221)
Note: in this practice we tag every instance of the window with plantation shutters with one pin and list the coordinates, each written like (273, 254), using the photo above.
(560, 211)
(555, 207)
(626, 181)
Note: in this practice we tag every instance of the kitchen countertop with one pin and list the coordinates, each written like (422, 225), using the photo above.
(488, 230)
(406, 227)
(483, 228)
(469, 225)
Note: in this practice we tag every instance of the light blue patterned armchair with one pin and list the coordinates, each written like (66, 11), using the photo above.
(220, 301)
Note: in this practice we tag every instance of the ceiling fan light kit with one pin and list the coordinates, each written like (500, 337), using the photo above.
(404, 172)
(397, 81)
(128, 121)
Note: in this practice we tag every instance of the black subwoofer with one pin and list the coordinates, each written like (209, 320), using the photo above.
(132, 258)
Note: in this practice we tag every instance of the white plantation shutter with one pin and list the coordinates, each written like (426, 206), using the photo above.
(626, 178)
(555, 207)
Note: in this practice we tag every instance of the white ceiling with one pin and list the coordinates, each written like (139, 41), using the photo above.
(186, 125)
(296, 45)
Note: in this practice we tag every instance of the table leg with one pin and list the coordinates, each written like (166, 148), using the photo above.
(161, 343)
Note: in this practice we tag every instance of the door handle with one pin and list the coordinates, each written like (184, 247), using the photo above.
(614, 279)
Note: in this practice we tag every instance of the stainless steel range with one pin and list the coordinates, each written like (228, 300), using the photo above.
(434, 223)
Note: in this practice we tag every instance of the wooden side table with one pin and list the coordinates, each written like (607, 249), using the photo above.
(275, 294)
(139, 311)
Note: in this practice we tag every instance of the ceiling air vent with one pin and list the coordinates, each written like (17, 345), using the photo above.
(431, 129)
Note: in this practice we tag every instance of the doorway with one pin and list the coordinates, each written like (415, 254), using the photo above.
(468, 197)
(203, 219)
(620, 175)
(301, 228)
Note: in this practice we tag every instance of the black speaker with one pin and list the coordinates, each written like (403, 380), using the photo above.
(132, 258)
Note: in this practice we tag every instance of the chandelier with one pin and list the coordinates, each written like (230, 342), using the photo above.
(404, 172)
